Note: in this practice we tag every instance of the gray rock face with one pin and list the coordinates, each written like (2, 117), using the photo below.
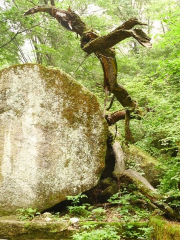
(52, 138)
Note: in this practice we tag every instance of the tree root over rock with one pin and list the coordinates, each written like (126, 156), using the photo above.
(144, 187)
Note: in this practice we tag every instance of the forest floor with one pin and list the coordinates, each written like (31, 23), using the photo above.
(84, 222)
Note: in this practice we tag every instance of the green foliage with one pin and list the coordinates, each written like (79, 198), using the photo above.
(99, 214)
(76, 209)
(76, 199)
(139, 233)
(171, 178)
(130, 213)
(151, 77)
(79, 210)
(27, 214)
(126, 210)
(106, 233)
(56, 216)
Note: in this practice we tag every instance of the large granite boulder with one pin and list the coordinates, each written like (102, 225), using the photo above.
(52, 138)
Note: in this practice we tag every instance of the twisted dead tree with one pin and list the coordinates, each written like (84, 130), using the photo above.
(91, 42)
(101, 46)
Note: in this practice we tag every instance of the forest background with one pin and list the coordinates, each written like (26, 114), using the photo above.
(151, 76)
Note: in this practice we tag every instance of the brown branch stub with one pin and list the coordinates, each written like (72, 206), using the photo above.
(114, 117)
(121, 115)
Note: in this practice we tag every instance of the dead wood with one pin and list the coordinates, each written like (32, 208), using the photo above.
(115, 37)
(112, 118)
(67, 18)
(116, 116)
(147, 190)
(91, 42)
(119, 167)
(101, 46)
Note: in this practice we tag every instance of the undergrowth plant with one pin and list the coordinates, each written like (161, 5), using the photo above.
(137, 233)
(92, 233)
(27, 214)
(76, 199)
(99, 214)
(130, 213)
(79, 210)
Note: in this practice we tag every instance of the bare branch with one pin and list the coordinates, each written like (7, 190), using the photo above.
(91, 42)
(130, 24)
(11, 39)
(115, 37)
(68, 19)
(111, 103)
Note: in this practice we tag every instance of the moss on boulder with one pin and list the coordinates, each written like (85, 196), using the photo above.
(12, 228)
(144, 163)
(164, 230)
(52, 138)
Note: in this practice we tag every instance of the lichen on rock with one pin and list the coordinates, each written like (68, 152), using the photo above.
(52, 138)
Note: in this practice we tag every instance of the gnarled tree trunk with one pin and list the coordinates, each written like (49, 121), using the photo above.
(91, 42)
(101, 46)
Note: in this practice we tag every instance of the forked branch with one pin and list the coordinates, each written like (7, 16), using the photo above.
(101, 46)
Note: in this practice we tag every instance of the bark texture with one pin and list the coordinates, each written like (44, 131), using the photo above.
(101, 46)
